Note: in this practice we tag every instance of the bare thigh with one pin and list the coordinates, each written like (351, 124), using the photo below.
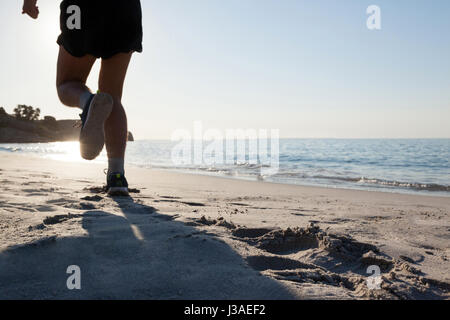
(112, 74)
(73, 69)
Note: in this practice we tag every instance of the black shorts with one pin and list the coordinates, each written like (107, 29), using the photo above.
(102, 28)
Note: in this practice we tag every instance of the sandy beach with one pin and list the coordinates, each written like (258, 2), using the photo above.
(183, 236)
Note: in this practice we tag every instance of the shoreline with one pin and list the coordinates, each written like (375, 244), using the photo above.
(438, 194)
(399, 191)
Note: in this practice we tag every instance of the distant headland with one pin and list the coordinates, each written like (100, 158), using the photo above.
(24, 126)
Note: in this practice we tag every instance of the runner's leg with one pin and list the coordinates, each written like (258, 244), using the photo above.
(72, 90)
(112, 77)
(72, 74)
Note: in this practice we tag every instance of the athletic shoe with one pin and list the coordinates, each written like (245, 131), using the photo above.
(117, 185)
(92, 136)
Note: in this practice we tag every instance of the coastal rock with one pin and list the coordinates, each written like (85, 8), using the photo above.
(39, 131)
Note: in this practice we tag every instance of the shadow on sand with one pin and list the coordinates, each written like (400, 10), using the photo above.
(143, 254)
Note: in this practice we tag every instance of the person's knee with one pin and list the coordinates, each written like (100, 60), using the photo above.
(63, 90)
(60, 87)
(70, 91)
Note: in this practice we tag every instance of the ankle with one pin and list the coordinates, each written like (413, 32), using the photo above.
(116, 165)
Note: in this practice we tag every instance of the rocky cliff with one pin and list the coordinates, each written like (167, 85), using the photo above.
(39, 131)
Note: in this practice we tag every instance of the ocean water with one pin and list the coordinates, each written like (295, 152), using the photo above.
(403, 165)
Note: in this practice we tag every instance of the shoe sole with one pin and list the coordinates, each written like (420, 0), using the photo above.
(118, 192)
(92, 136)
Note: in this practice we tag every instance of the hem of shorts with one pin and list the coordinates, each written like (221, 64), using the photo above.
(111, 54)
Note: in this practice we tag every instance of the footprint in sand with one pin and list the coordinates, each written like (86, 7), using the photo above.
(42, 208)
(73, 204)
(102, 190)
(238, 204)
(37, 243)
(207, 221)
(251, 233)
(30, 183)
(45, 176)
(39, 191)
(60, 218)
(40, 226)
(81, 206)
(61, 201)
(188, 203)
(193, 204)
(300, 239)
(93, 198)
(12, 207)
(262, 263)
(164, 217)
(337, 261)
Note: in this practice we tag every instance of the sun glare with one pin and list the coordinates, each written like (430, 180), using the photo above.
(64, 151)
(67, 151)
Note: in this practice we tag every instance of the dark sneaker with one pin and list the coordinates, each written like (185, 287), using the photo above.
(92, 136)
(117, 185)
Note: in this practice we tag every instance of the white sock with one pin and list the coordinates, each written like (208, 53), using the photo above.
(116, 165)
(84, 98)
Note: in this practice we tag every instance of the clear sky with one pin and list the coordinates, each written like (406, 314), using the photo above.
(310, 68)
